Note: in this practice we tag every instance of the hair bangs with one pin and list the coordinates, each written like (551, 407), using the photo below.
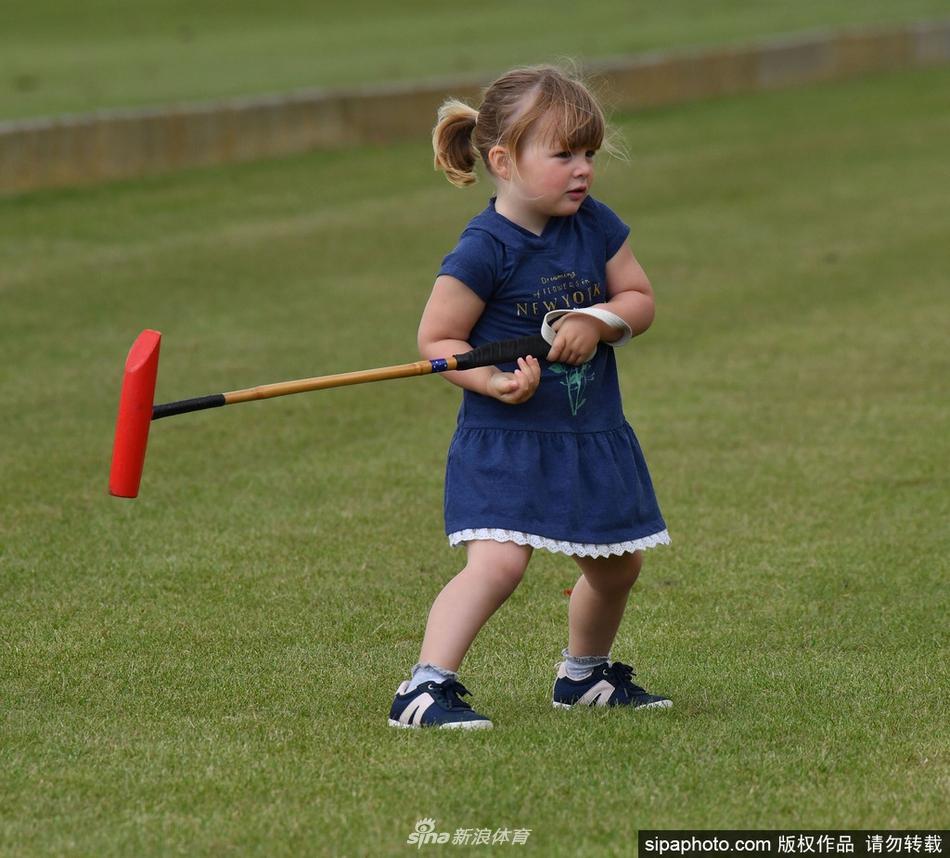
(540, 103)
(561, 113)
(574, 125)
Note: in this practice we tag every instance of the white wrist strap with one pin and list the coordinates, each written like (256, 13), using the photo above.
(606, 316)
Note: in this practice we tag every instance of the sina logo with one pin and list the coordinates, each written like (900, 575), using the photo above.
(425, 833)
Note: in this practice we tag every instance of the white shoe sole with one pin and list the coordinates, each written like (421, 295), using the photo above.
(457, 725)
(660, 704)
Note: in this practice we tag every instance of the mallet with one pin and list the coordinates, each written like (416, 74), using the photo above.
(136, 409)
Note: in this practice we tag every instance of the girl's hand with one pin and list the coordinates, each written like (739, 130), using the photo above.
(576, 340)
(518, 386)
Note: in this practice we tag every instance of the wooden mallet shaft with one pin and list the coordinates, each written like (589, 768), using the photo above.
(136, 410)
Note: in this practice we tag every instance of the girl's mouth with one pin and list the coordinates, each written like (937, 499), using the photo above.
(577, 193)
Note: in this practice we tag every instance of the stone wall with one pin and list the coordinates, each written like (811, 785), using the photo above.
(109, 145)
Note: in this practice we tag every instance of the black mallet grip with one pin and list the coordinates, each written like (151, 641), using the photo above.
(506, 351)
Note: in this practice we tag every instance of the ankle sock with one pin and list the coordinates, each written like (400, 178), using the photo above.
(424, 672)
(580, 667)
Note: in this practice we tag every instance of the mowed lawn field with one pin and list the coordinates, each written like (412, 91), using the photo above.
(57, 57)
(208, 669)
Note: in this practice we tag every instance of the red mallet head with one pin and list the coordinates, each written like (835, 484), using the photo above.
(135, 415)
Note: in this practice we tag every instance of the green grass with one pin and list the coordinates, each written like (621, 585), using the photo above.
(207, 669)
(58, 56)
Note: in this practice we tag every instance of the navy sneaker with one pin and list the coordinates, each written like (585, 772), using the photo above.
(609, 684)
(435, 704)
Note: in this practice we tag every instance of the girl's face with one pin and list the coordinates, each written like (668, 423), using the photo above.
(548, 180)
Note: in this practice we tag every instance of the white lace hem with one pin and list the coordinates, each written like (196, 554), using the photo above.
(574, 549)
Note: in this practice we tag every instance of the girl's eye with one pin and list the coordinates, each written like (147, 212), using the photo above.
(566, 155)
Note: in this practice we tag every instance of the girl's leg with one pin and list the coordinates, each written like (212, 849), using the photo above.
(597, 606)
(491, 573)
(598, 602)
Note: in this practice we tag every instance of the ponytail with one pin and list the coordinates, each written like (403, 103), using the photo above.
(455, 154)
(510, 108)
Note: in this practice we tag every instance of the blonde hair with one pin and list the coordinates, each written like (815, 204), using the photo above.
(511, 106)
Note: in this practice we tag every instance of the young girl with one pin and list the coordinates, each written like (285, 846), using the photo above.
(543, 456)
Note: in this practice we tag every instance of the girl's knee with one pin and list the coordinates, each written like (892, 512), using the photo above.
(635, 565)
(504, 562)
(613, 574)
(509, 575)
(509, 569)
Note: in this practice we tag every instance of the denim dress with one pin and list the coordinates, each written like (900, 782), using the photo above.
(564, 470)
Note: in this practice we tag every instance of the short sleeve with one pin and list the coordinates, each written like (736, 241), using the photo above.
(615, 230)
(475, 262)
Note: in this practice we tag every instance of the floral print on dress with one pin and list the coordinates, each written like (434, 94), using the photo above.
(575, 380)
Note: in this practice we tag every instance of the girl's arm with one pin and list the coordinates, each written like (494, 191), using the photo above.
(448, 319)
(629, 295)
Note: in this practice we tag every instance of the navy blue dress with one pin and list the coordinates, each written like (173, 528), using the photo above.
(564, 470)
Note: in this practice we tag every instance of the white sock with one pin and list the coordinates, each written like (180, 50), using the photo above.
(581, 666)
(424, 672)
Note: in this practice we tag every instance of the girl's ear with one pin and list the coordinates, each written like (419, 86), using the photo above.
(500, 162)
